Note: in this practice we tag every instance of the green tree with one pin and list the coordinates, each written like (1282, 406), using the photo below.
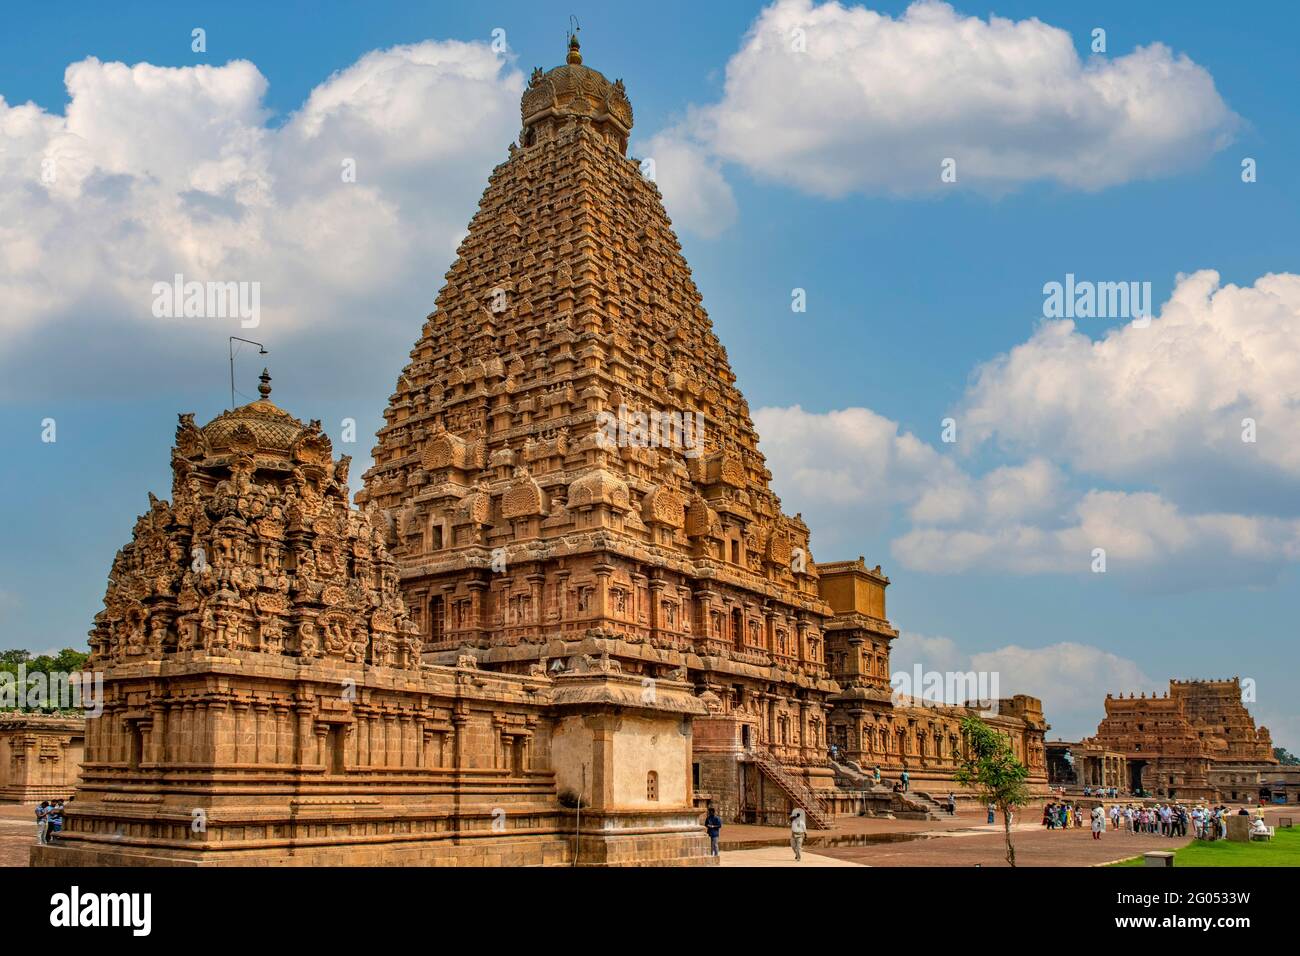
(70, 660)
(990, 766)
(1284, 756)
(67, 661)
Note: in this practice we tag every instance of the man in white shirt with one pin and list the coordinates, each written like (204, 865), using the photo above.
(798, 827)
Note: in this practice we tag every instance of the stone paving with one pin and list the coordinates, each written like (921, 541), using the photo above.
(987, 847)
(962, 841)
(966, 840)
(743, 835)
(17, 832)
(780, 856)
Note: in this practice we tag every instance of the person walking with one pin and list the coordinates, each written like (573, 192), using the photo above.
(952, 804)
(798, 829)
(42, 820)
(713, 826)
(1098, 822)
(992, 809)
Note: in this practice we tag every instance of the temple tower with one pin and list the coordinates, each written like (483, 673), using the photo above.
(567, 466)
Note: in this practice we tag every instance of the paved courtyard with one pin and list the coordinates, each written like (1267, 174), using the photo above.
(17, 832)
(780, 856)
(965, 840)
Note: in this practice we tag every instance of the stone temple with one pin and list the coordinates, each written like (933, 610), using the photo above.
(1197, 741)
(569, 609)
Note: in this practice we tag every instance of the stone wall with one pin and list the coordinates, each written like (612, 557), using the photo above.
(247, 759)
(39, 756)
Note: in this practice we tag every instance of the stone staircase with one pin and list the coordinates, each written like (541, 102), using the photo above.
(924, 803)
(817, 814)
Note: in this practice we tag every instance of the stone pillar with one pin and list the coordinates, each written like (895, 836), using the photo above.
(603, 572)
(657, 586)
(156, 752)
(476, 589)
(220, 735)
(307, 750)
(263, 742)
(535, 582)
(603, 727)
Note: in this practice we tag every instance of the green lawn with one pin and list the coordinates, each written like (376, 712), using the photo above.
(1282, 850)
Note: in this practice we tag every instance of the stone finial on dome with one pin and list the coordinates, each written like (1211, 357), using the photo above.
(264, 389)
(571, 91)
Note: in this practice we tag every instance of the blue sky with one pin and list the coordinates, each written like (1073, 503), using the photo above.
(912, 288)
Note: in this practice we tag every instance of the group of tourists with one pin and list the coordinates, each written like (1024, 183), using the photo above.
(1170, 820)
(1062, 816)
(49, 820)
(1173, 820)
(1163, 819)
(1101, 791)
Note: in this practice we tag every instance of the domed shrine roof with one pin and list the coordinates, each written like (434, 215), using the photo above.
(260, 429)
(576, 90)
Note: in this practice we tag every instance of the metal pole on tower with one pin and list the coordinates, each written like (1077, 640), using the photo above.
(231, 344)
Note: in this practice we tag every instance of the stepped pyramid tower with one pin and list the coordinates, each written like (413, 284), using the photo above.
(567, 466)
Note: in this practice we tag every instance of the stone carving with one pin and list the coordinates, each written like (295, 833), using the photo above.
(258, 544)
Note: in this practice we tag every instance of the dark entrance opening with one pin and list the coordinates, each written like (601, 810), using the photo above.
(1135, 768)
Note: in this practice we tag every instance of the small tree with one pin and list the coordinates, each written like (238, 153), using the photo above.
(989, 764)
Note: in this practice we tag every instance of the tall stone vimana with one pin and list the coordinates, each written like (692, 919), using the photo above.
(542, 503)
(542, 638)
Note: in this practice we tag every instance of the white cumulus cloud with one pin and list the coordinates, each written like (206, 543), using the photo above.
(1159, 410)
(836, 99)
(1170, 403)
(152, 171)
(695, 192)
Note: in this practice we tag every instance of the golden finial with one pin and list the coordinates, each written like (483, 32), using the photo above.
(264, 389)
(575, 55)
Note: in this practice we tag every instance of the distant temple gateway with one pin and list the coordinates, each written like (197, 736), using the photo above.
(1197, 742)
(539, 640)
